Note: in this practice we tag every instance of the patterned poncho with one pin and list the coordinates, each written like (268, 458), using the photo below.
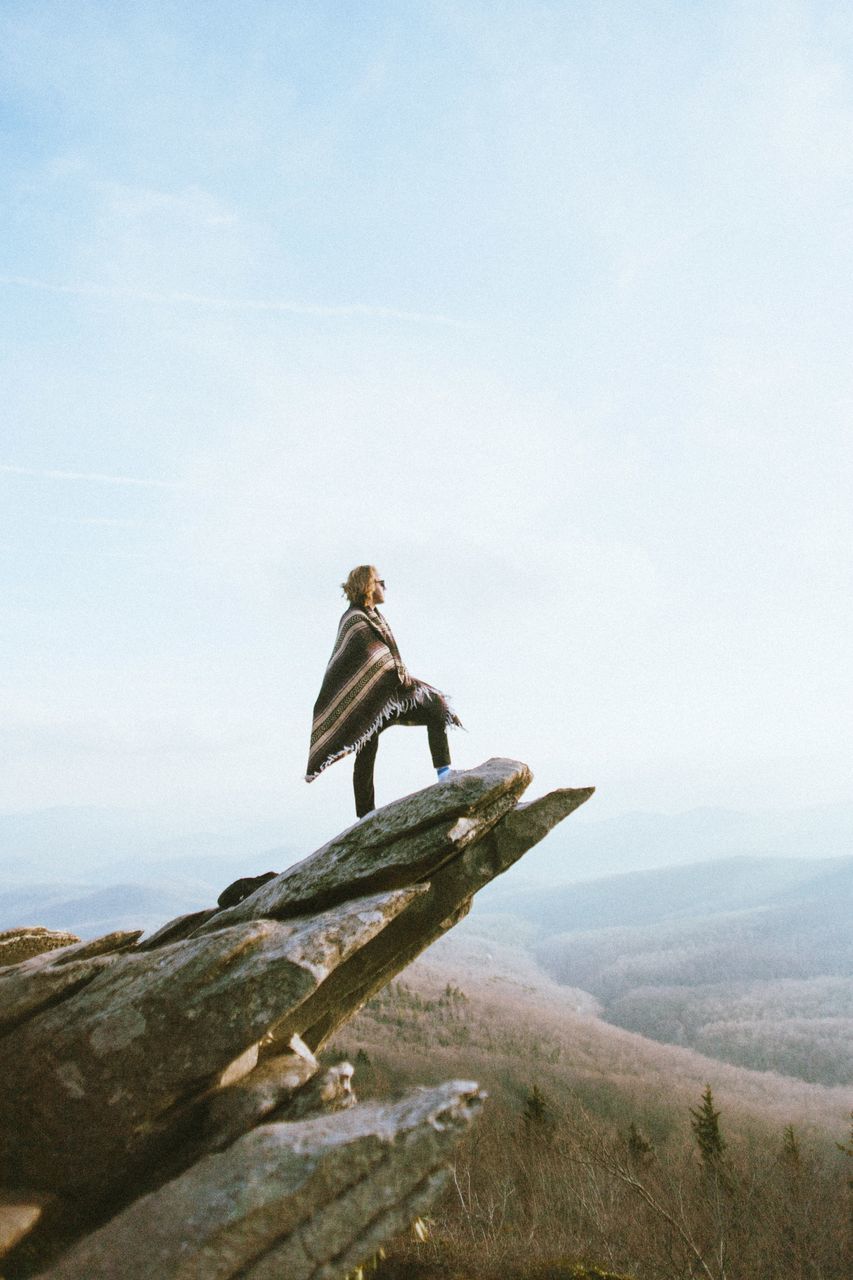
(365, 686)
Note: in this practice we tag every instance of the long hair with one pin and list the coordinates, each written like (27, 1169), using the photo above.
(357, 585)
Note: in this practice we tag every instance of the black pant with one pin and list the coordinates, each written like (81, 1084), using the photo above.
(431, 714)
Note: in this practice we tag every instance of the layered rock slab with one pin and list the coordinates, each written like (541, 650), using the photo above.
(31, 940)
(43, 980)
(397, 845)
(148, 1031)
(302, 1200)
(451, 890)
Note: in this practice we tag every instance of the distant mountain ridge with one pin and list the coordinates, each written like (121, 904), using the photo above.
(90, 911)
(76, 842)
(645, 841)
(89, 845)
(667, 893)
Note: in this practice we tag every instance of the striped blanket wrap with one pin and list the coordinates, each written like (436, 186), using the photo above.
(365, 686)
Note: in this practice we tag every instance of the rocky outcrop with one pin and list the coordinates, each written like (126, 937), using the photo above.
(163, 1102)
(31, 940)
(296, 1199)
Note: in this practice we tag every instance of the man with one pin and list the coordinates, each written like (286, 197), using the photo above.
(366, 688)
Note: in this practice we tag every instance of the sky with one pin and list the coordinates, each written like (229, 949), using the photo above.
(544, 309)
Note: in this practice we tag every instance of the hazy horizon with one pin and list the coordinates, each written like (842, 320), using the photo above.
(109, 847)
(542, 309)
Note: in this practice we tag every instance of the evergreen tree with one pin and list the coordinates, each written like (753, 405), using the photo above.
(705, 1124)
(847, 1149)
(790, 1153)
(536, 1115)
(640, 1149)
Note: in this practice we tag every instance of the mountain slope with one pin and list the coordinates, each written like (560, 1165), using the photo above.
(488, 1011)
(746, 959)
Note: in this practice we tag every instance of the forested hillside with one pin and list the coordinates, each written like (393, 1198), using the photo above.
(587, 1155)
(748, 960)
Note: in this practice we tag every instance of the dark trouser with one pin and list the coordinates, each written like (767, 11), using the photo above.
(429, 713)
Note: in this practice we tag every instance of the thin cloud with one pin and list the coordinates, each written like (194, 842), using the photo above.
(94, 476)
(111, 522)
(272, 305)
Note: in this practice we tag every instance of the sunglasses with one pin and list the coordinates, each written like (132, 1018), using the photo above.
(380, 582)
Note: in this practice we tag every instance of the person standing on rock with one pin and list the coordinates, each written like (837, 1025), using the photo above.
(366, 688)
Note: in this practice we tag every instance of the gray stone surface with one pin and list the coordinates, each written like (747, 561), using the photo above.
(235, 1108)
(55, 974)
(397, 845)
(107, 944)
(178, 929)
(448, 899)
(33, 985)
(286, 1199)
(114, 1066)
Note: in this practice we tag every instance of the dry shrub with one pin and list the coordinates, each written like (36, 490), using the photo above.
(597, 1173)
(541, 1202)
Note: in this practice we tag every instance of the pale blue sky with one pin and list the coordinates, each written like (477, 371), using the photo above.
(543, 308)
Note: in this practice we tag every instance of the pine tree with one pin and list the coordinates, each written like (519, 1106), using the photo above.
(790, 1153)
(536, 1115)
(705, 1124)
(847, 1149)
(640, 1149)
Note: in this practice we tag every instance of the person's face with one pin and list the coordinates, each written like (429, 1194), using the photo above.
(378, 590)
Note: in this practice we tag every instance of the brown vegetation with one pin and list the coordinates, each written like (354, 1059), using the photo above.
(803, 1028)
(586, 1162)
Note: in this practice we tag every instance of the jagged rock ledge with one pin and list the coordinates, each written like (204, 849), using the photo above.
(163, 1102)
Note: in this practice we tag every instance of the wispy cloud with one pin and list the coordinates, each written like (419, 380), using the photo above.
(271, 305)
(94, 476)
(110, 522)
